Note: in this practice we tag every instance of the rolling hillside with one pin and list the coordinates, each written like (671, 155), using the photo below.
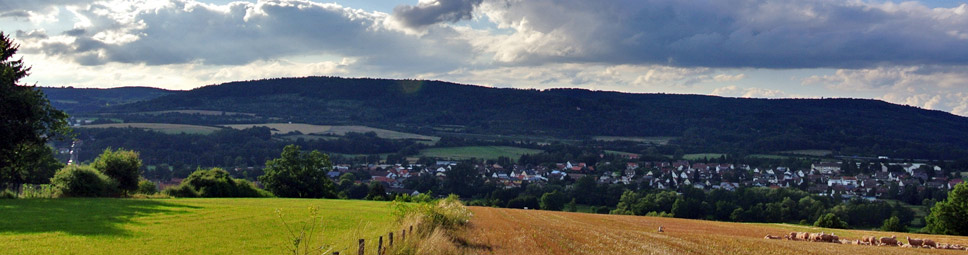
(698, 123)
(79, 101)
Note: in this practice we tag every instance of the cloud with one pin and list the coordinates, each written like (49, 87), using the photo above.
(16, 14)
(52, 71)
(185, 31)
(435, 11)
(734, 91)
(729, 78)
(744, 33)
(930, 87)
(32, 35)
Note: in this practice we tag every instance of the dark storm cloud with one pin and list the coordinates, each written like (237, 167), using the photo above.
(744, 33)
(435, 12)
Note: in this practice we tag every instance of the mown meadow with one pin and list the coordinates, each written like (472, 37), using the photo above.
(185, 226)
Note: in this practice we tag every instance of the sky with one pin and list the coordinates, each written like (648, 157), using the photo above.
(912, 53)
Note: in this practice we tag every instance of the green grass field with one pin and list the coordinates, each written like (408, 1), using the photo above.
(768, 156)
(480, 152)
(699, 156)
(160, 127)
(815, 153)
(308, 129)
(660, 140)
(182, 226)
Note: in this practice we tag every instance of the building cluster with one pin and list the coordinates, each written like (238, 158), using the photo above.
(824, 178)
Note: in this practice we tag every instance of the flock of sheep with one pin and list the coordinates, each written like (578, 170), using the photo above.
(867, 240)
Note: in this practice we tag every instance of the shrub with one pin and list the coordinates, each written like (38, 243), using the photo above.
(524, 201)
(571, 206)
(893, 224)
(215, 182)
(146, 187)
(553, 201)
(830, 220)
(122, 166)
(8, 194)
(601, 209)
(435, 224)
(82, 181)
(447, 213)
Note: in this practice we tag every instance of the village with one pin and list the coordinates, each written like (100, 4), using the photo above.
(885, 180)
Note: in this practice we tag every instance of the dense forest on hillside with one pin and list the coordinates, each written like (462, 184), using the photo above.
(698, 123)
(87, 100)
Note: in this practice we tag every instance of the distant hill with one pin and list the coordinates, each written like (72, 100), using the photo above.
(698, 122)
(78, 100)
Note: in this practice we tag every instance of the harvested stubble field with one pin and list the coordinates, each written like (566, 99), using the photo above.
(513, 231)
(160, 127)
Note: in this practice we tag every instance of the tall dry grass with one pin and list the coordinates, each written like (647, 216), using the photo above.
(435, 224)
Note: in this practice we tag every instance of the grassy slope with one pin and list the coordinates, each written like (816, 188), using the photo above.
(179, 226)
(282, 128)
(513, 231)
(481, 152)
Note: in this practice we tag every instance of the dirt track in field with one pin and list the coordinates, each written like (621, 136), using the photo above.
(513, 231)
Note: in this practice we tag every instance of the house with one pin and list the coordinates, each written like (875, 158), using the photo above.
(826, 167)
(953, 182)
(846, 181)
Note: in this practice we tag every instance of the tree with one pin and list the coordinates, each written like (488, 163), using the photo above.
(830, 220)
(27, 121)
(553, 201)
(120, 165)
(377, 192)
(893, 224)
(585, 189)
(299, 174)
(950, 217)
(463, 180)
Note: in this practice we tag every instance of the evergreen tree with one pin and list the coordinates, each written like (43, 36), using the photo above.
(27, 122)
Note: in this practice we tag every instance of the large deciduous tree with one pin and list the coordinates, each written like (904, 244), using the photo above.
(950, 217)
(27, 121)
(299, 174)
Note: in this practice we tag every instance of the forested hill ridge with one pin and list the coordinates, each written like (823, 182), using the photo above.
(87, 100)
(698, 122)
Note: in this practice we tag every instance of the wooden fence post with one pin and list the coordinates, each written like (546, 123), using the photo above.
(391, 239)
(379, 246)
(411, 229)
(403, 235)
(361, 247)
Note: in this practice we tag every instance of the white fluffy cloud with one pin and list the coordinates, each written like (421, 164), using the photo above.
(900, 52)
(734, 91)
(184, 31)
(930, 87)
